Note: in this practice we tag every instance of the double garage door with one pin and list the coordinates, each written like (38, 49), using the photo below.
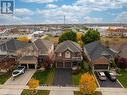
(63, 65)
(29, 66)
(101, 67)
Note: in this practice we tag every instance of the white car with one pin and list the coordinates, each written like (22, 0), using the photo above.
(19, 70)
(101, 75)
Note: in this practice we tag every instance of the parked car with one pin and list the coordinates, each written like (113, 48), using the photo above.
(101, 75)
(19, 70)
(110, 75)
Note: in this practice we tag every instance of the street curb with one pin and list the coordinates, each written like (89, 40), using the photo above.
(120, 83)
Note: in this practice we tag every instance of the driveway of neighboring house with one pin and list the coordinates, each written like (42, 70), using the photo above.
(63, 77)
(108, 83)
(21, 80)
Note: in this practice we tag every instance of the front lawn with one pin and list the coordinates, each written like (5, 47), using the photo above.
(123, 78)
(96, 93)
(76, 78)
(45, 77)
(4, 77)
(39, 92)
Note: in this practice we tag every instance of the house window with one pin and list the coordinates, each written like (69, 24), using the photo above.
(67, 54)
(59, 54)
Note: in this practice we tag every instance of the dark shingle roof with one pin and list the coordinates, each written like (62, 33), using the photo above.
(96, 50)
(43, 45)
(74, 47)
(13, 45)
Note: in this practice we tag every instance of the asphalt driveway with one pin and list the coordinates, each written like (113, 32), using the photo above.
(63, 77)
(108, 83)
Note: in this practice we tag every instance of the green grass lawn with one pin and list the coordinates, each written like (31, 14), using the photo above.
(4, 77)
(45, 77)
(96, 93)
(76, 78)
(123, 78)
(39, 92)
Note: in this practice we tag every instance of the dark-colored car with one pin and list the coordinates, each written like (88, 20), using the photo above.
(110, 75)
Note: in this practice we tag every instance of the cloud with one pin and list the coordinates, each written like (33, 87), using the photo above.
(11, 19)
(39, 1)
(99, 5)
(122, 17)
(88, 19)
(51, 6)
(23, 12)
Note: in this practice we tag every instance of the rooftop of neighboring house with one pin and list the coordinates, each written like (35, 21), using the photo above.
(96, 50)
(43, 45)
(13, 45)
(101, 60)
(73, 46)
(121, 48)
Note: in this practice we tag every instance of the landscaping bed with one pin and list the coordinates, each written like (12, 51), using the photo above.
(4, 77)
(39, 92)
(45, 77)
(96, 93)
(123, 78)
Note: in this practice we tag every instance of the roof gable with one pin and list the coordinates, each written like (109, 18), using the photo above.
(74, 47)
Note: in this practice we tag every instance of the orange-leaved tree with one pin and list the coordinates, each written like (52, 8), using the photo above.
(23, 39)
(87, 84)
(79, 36)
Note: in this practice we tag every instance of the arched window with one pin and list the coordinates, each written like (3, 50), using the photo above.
(67, 54)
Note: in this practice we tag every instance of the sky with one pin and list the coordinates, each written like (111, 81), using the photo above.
(75, 11)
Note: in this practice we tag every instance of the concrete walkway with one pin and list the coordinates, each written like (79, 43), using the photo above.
(61, 92)
(15, 87)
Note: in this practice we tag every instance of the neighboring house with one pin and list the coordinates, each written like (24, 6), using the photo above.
(29, 62)
(45, 49)
(7, 62)
(120, 49)
(18, 48)
(67, 54)
(99, 56)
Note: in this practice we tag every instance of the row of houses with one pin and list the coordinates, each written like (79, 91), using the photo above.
(65, 55)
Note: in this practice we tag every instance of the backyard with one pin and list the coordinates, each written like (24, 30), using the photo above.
(96, 93)
(45, 77)
(39, 92)
(123, 78)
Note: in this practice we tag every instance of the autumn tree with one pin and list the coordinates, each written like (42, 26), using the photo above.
(90, 36)
(87, 84)
(67, 36)
(23, 39)
(79, 36)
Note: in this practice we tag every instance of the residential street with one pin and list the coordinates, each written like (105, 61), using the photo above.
(10, 86)
(113, 91)
(61, 92)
